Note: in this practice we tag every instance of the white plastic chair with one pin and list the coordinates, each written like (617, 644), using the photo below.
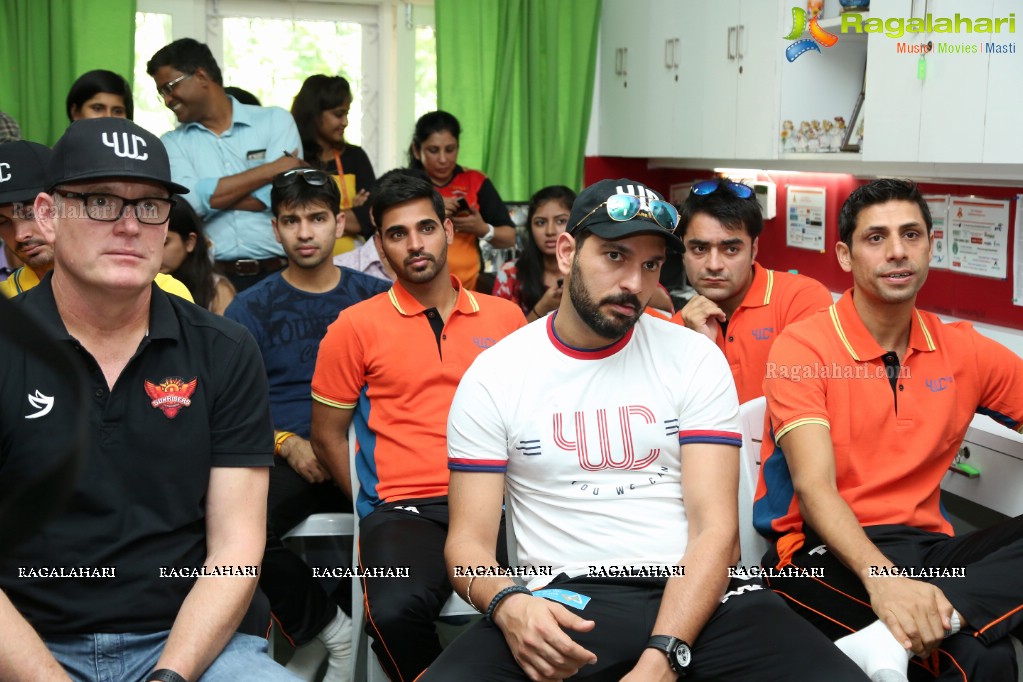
(367, 667)
(752, 545)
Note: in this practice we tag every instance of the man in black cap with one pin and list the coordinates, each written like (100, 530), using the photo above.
(22, 177)
(616, 449)
(22, 172)
(147, 572)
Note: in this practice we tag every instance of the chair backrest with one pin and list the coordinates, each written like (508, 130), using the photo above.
(751, 420)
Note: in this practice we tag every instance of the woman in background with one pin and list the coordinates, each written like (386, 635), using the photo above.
(100, 94)
(321, 113)
(534, 280)
(186, 256)
(472, 202)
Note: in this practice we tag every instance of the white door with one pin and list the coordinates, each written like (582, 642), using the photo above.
(625, 65)
(1003, 134)
(893, 93)
(955, 89)
(718, 78)
(759, 80)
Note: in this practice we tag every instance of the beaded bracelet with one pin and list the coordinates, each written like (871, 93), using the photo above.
(514, 589)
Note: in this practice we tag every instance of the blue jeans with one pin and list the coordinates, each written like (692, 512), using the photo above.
(129, 657)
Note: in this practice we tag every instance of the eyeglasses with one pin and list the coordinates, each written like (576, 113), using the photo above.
(623, 207)
(705, 187)
(316, 178)
(109, 208)
(167, 89)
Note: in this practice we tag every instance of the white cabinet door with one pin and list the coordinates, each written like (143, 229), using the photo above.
(716, 80)
(759, 58)
(893, 95)
(955, 89)
(624, 77)
(673, 116)
(1003, 134)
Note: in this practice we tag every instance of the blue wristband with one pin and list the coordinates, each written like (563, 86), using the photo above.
(514, 589)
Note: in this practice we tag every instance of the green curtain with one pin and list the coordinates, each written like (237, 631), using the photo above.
(518, 75)
(46, 44)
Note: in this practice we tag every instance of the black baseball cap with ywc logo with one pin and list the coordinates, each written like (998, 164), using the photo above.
(96, 148)
(22, 171)
(615, 209)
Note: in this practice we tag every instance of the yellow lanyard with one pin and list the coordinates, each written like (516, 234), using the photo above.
(341, 173)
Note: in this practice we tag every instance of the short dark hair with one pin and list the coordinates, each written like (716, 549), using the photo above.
(428, 124)
(726, 207)
(399, 186)
(317, 94)
(186, 55)
(90, 83)
(879, 192)
(301, 193)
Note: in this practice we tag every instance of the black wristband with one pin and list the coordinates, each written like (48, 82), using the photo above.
(514, 589)
(165, 675)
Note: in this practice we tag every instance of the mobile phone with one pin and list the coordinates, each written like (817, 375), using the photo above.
(463, 207)
(561, 280)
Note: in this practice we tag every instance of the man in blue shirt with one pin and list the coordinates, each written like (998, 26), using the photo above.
(288, 314)
(226, 153)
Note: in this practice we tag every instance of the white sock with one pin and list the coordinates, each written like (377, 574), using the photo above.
(337, 637)
(876, 651)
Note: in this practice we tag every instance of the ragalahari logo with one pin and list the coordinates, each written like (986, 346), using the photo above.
(818, 36)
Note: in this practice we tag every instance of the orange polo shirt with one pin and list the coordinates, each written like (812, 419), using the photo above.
(773, 301)
(382, 358)
(890, 454)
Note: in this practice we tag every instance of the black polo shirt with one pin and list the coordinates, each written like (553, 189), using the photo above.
(194, 396)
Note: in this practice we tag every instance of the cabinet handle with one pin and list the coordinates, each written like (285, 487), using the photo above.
(625, 61)
(731, 35)
(674, 51)
(618, 61)
(738, 41)
(667, 59)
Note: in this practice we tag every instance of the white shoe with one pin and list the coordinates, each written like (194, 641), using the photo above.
(337, 638)
(307, 659)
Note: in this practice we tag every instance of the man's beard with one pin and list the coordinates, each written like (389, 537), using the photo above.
(611, 327)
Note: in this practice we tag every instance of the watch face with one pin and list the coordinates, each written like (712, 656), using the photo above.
(683, 657)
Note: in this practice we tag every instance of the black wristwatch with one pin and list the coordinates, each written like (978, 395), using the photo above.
(165, 675)
(678, 652)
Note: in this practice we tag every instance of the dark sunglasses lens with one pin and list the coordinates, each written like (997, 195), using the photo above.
(742, 191)
(622, 207)
(664, 214)
(705, 187)
(316, 178)
(311, 177)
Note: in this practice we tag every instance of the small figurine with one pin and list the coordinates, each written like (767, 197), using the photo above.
(787, 132)
(814, 137)
(814, 7)
(803, 136)
(828, 136)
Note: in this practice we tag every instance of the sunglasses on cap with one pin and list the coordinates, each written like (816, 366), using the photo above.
(623, 207)
(316, 178)
(705, 187)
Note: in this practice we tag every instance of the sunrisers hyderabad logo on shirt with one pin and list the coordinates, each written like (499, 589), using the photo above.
(171, 394)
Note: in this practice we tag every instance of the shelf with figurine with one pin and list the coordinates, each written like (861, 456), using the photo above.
(820, 136)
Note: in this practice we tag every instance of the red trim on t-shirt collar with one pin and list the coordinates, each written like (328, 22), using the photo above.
(585, 353)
